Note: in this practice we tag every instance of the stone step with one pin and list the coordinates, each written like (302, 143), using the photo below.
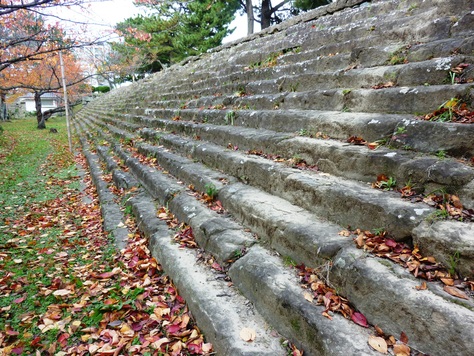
(290, 79)
(419, 100)
(289, 231)
(329, 197)
(300, 90)
(418, 135)
(334, 157)
(220, 311)
(388, 294)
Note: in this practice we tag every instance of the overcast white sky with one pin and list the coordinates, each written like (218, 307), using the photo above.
(109, 12)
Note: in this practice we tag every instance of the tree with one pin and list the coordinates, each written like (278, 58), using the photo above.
(40, 77)
(26, 36)
(9, 6)
(174, 30)
(269, 14)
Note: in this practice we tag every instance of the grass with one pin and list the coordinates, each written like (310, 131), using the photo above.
(22, 159)
(32, 162)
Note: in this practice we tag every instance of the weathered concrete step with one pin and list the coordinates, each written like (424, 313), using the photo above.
(222, 313)
(431, 72)
(263, 279)
(216, 233)
(418, 135)
(386, 294)
(344, 202)
(334, 157)
(267, 215)
(220, 310)
(291, 79)
(450, 242)
(113, 217)
(399, 100)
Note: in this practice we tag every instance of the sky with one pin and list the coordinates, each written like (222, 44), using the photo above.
(109, 12)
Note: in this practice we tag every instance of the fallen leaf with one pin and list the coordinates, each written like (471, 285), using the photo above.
(423, 286)
(359, 319)
(345, 233)
(404, 338)
(447, 281)
(456, 202)
(308, 296)
(61, 292)
(247, 334)
(378, 344)
(401, 350)
(455, 292)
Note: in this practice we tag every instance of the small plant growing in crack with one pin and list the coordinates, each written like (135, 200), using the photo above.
(211, 190)
(453, 262)
(441, 154)
(230, 117)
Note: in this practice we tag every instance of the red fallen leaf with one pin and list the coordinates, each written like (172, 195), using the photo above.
(10, 331)
(391, 243)
(19, 300)
(360, 319)
(356, 140)
(35, 341)
(404, 338)
(173, 329)
(110, 301)
(137, 326)
(106, 275)
(373, 145)
(216, 266)
(17, 350)
(195, 348)
(62, 339)
(180, 299)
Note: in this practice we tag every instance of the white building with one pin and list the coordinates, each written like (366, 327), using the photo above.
(48, 101)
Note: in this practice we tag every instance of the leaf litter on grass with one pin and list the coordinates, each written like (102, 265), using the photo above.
(69, 292)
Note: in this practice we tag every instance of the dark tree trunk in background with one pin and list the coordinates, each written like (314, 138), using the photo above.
(266, 14)
(39, 114)
(250, 18)
(3, 108)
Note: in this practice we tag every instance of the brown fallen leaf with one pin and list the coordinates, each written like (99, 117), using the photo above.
(401, 350)
(247, 334)
(456, 202)
(423, 286)
(378, 344)
(308, 296)
(455, 292)
(447, 281)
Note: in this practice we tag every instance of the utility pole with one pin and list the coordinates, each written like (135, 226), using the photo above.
(65, 101)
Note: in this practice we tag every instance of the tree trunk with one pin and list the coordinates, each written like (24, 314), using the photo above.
(3, 108)
(39, 114)
(250, 17)
(266, 13)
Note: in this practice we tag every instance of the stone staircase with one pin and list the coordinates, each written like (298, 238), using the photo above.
(292, 128)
